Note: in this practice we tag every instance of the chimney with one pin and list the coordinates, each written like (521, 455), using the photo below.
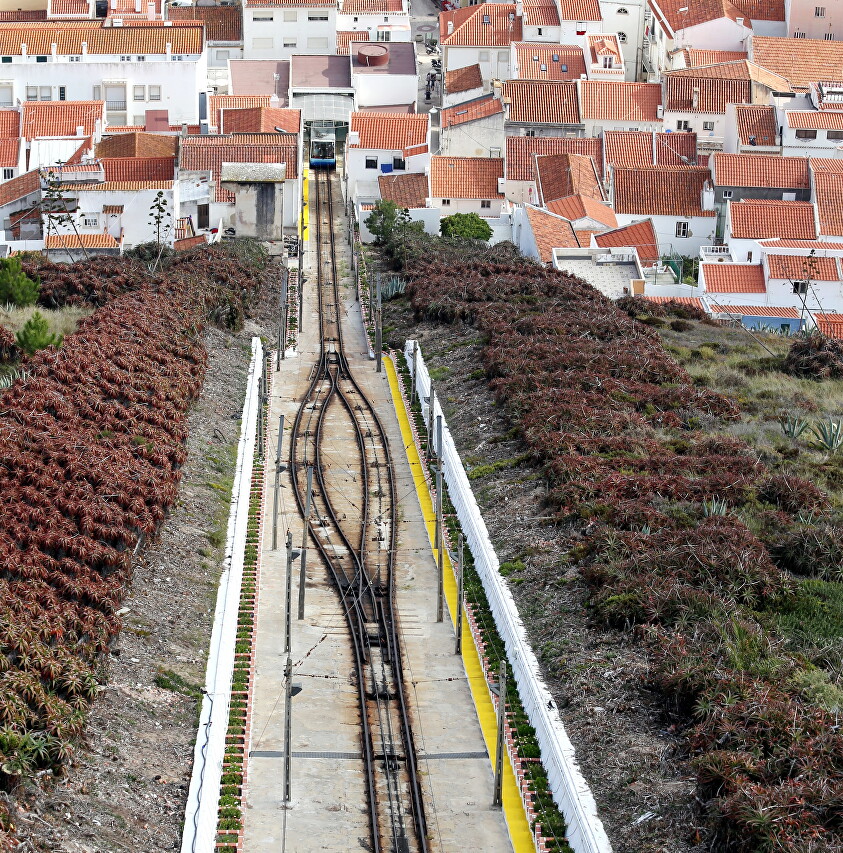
(450, 27)
(274, 102)
(97, 131)
(23, 50)
(137, 7)
(739, 21)
(695, 97)
(113, 5)
(150, 11)
(353, 137)
(168, 48)
(519, 7)
(53, 49)
(80, 130)
(84, 48)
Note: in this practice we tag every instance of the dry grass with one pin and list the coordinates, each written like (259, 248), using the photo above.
(62, 321)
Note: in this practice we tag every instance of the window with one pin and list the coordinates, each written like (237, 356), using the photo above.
(154, 93)
(31, 93)
(681, 229)
(140, 58)
(622, 38)
(288, 42)
(749, 257)
(529, 133)
(485, 203)
(384, 35)
(202, 215)
(800, 287)
(539, 31)
(262, 16)
(90, 221)
(708, 125)
(483, 56)
(543, 67)
(139, 93)
(622, 11)
(45, 93)
(487, 19)
(97, 93)
(607, 61)
(503, 57)
(683, 124)
(263, 43)
(727, 194)
(69, 58)
(40, 58)
(399, 164)
(819, 12)
(318, 16)
(563, 66)
(494, 152)
(806, 134)
(8, 174)
(371, 162)
(834, 134)
(222, 56)
(291, 16)
(829, 36)
(788, 196)
(446, 202)
(62, 93)
(125, 58)
(317, 43)
(6, 99)
(799, 35)
(6, 60)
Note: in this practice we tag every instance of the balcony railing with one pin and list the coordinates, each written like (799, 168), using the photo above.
(115, 106)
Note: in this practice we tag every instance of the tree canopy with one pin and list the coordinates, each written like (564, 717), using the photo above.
(466, 226)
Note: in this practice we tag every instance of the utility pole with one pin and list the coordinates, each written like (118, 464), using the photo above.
(302, 573)
(288, 725)
(440, 574)
(282, 321)
(278, 469)
(378, 329)
(460, 570)
(497, 799)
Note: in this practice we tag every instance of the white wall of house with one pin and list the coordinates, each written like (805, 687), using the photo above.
(656, 46)
(522, 234)
(378, 90)
(363, 166)
(553, 35)
(732, 143)
(521, 192)
(709, 127)
(720, 34)
(820, 146)
(278, 33)
(620, 17)
(494, 62)
(596, 126)
(701, 232)
(461, 97)
(219, 55)
(575, 32)
(481, 138)
(392, 26)
(470, 205)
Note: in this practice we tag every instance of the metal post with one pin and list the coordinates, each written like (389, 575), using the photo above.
(288, 725)
(378, 329)
(440, 579)
(431, 403)
(277, 483)
(497, 799)
(413, 375)
(302, 572)
(288, 591)
(460, 570)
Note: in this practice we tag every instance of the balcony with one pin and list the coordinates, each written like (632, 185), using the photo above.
(116, 106)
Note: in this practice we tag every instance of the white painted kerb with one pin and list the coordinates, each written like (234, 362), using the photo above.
(200, 819)
(570, 790)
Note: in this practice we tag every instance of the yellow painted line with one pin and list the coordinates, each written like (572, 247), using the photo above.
(305, 210)
(513, 808)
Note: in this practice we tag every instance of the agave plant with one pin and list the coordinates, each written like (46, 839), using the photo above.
(792, 425)
(829, 435)
(716, 506)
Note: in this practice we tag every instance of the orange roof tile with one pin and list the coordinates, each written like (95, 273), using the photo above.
(802, 266)
(118, 186)
(580, 10)
(69, 7)
(346, 37)
(20, 15)
(473, 110)
(619, 101)
(542, 102)
(660, 190)
(756, 311)
(138, 145)
(756, 218)
(605, 44)
(826, 164)
(550, 232)
(778, 243)
(542, 61)
(390, 132)
(222, 23)
(711, 94)
(830, 324)
(465, 177)
(9, 152)
(690, 301)
(739, 69)
(79, 241)
(645, 148)
(828, 194)
(575, 207)
(756, 124)
(152, 39)
(520, 163)
(641, 235)
(463, 79)
(208, 153)
(584, 235)
(763, 10)
(60, 118)
(280, 4)
(800, 61)
(761, 170)
(233, 102)
(408, 191)
(541, 13)
(681, 15)
(695, 57)
(260, 120)
(9, 124)
(189, 243)
(368, 7)
(733, 278)
(113, 208)
(814, 119)
(561, 175)
(486, 25)
(139, 168)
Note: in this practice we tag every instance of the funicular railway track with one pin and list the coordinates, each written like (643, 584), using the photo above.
(358, 550)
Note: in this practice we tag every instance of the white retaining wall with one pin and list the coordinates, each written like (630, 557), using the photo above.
(200, 819)
(569, 788)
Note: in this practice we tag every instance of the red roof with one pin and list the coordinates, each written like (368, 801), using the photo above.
(756, 218)
(761, 170)
(463, 79)
(233, 102)
(828, 191)
(660, 191)
(756, 124)
(574, 207)
(368, 7)
(486, 25)
(801, 61)
(694, 57)
(19, 187)
(627, 102)
(390, 132)
(407, 191)
(690, 301)
(814, 119)
(468, 111)
(542, 102)
(647, 148)
(734, 278)
(550, 232)
(60, 118)
(9, 152)
(802, 266)
(712, 94)
(465, 177)
(222, 23)
(78, 241)
(138, 145)
(541, 13)
(151, 38)
(260, 120)
(641, 235)
(520, 163)
(346, 37)
(139, 168)
(580, 10)
(543, 61)
(561, 175)
(830, 324)
(9, 124)
(756, 311)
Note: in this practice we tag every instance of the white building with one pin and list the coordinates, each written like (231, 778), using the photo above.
(275, 29)
(375, 20)
(480, 35)
(384, 75)
(467, 185)
(473, 128)
(812, 133)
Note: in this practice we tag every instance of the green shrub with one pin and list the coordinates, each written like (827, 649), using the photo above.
(15, 286)
(35, 335)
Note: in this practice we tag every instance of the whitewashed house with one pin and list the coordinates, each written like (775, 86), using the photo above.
(467, 185)
(473, 128)
(277, 29)
(375, 20)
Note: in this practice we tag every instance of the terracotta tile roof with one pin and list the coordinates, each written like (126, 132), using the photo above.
(681, 15)
(828, 194)
(280, 4)
(690, 301)
(801, 266)
(660, 191)
(463, 79)
(739, 69)
(536, 61)
(541, 13)
(208, 153)
(800, 61)
(486, 25)
(368, 7)
(542, 102)
(830, 324)
(19, 187)
(150, 39)
(619, 101)
(575, 207)
(761, 170)
(189, 243)
(814, 119)
(69, 7)
(260, 120)
(9, 151)
(584, 235)
(78, 241)
(21, 15)
(139, 168)
(642, 235)
(756, 311)
(695, 57)
(605, 44)
(465, 177)
(233, 102)
(778, 243)
(763, 10)
(390, 132)
(60, 118)
(712, 94)
(733, 278)
(118, 186)
(520, 164)
(756, 122)
(346, 37)
(826, 164)
(550, 232)
(580, 10)
(222, 23)
(757, 218)
(9, 124)
(468, 111)
(113, 208)
(645, 148)
(138, 145)
(561, 175)
(409, 191)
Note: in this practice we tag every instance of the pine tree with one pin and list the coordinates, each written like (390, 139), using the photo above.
(36, 335)
(15, 286)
